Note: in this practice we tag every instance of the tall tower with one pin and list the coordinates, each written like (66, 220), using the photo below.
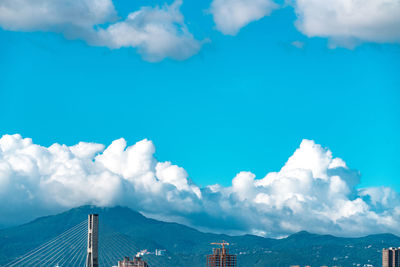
(92, 258)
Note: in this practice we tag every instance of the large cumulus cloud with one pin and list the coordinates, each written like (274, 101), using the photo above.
(348, 23)
(156, 32)
(313, 191)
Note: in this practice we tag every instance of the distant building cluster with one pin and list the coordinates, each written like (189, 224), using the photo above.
(391, 257)
(157, 252)
(160, 252)
(136, 262)
(142, 253)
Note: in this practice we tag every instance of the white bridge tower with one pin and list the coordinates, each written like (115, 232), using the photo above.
(92, 258)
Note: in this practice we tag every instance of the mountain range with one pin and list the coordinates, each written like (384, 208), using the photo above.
(185, 246)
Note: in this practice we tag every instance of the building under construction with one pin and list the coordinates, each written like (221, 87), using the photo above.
(221, 257)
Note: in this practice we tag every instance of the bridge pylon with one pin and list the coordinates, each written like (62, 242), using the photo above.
(92, 258)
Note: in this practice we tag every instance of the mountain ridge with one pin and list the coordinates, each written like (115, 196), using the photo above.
(187, 245)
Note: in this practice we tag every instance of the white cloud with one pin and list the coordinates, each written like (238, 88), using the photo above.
(313, 191)
(347, 23)
(156, 32)
(232, 15)
(68, 17)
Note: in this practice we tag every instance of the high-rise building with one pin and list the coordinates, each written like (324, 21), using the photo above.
(92, 258)
(391, 257)
(137, 262)
(221, 257)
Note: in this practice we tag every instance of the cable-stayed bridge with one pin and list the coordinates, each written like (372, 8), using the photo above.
(85, 244)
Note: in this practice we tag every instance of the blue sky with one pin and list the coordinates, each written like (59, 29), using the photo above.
(243, 102)
(264, 117)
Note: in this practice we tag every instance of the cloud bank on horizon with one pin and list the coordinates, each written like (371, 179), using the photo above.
(160, 32)
(313, 191)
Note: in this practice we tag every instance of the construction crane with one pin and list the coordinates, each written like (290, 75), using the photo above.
(222, 244)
